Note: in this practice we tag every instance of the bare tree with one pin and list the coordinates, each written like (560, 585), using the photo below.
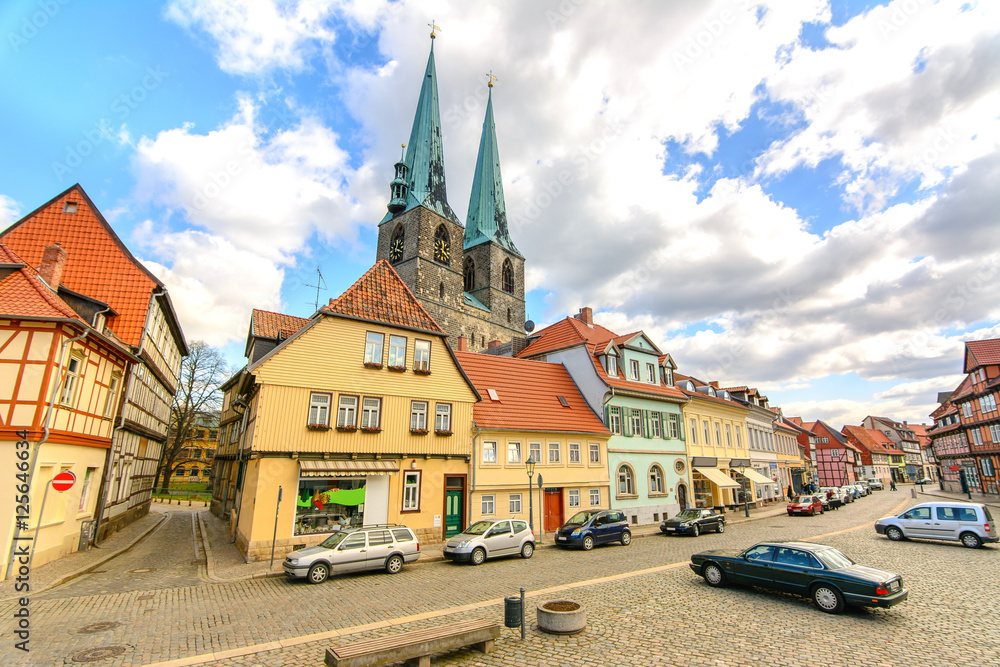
(197, 399)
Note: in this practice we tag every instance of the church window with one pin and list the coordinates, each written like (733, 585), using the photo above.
(441, 290)
(469, 274)
(508, 316)
(442, 245)
(396, 245)
(508, 277)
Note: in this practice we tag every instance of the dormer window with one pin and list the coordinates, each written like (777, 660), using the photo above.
(650, 373)
(711, 391)
(69, 207)
(634, 367)
(668, 376)
(612, 364)
(689, 385)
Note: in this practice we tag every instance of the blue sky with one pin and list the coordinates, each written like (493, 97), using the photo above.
(775, 192)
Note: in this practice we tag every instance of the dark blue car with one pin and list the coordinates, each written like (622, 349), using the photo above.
(585, 529)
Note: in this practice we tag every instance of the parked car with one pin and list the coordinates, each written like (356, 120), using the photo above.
(821, 572)
(968, 523)
(694, 522)
(862, 488)
(587, 528)
(875, 484)
(924, 480)
(376, 547)
(834, 497)
(811, 505)
(490, 539)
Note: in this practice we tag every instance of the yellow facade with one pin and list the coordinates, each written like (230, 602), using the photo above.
(715, 430)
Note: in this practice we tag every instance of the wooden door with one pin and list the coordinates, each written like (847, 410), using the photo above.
(553, 510)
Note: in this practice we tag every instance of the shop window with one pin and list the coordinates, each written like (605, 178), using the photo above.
(574, 497)
(515, 503)
(325, 505)
(411, 491)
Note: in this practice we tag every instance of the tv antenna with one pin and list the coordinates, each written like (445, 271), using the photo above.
(320, 284)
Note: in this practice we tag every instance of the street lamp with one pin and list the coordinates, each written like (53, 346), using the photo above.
(530, 465)
(746, 505)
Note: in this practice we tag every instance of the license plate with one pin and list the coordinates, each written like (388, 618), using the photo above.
(561, 539)
(670, 530)
(894, 586)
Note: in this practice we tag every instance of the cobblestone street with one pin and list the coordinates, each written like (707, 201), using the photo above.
(644, 605)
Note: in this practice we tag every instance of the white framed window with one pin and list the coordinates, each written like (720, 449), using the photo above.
(422, 355)
(967, 409)
(418, 416)
(835, 453)
(737, 428)
(488, 504)
(85, 492)
(673, 430)
(615, 420)
(554, 449)
(977, 437)
(595, 452)
(70, 381)
(109, 405)
(371, 411)
(635, 419)
(535, 451)
(693, 431)
(373, 348)
(574, 452)
(655, 479)
(319, 409)
(995, 432)
(397, 351)
(442, 417)
(574, 497)
(729, 437)
(489, 451)
(347, 412)
(634, 367)
(655, 429)
(718, 435)
(595, 497)
(515, 503)
(704, 425)
(411, 491)
(612, 365)
(988, 403)
(987, 465)
(668, 376)
(651, 373)
(626, 481)
(513, 452)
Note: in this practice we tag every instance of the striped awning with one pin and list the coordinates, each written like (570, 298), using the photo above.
(339, 468)
(717, 477)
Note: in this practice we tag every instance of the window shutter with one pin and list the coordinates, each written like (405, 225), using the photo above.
(664, 425)
(680, 425)
(627, 421)
(607, 416)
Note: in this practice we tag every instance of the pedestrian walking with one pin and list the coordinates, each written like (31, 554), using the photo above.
(892, 484)
(790, 494)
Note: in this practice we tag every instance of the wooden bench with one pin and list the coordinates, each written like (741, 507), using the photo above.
(416, 646)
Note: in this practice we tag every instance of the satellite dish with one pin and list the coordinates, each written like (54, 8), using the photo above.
(529, 326)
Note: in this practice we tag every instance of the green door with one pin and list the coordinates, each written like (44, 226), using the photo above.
(452, 513)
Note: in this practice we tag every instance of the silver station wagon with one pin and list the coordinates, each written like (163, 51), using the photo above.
(382, 547)
(490, 539)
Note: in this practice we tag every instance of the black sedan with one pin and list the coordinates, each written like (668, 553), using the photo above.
(694, 522)
(823, 573)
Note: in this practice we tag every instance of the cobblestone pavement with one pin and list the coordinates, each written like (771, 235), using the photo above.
(644, 607)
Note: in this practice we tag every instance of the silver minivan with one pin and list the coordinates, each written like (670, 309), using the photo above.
(968, 523)
(490, 539)
(377, 547)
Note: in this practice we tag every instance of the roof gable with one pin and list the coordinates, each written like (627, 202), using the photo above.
(566, 333)
(23, 294)
(981, 353)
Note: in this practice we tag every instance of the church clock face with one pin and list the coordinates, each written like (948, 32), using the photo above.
(442, 246)
(396, 250)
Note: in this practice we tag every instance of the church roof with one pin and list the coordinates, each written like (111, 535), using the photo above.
(381, 296)
(487, 218)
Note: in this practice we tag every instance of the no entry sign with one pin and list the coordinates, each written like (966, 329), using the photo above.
(63, 481)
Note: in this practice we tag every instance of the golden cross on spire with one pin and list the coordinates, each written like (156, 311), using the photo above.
(490, 78)
(433, 28)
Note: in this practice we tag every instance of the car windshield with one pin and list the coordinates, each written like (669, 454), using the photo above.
(688, 514)
(804, 500)
(478, 528)
(833, 559)
(580, 518)
(335, 539)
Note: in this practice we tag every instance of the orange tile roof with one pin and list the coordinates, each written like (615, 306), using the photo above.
(566, 333)
(23, 294)
(98, 264)
(981, 353)
(528, 393)
(620, 382)
(871, 439)
(266, 324)
(678, 378)
(381, 296)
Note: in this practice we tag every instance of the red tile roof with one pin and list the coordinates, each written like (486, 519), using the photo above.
(566, 333)
(23, 294)
(266, 324)
(98, 264)
(981, 353)
(528, 393)
(873, 440)
(679, 378)
(381, 296)
(619, 382)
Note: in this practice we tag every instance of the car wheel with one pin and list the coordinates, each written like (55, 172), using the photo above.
(588, 543)
(394, 564)
(527, 550)
(828, 599)
(894, 533)
(318, 573)
(695, 531)
(714, 575)
(789, 514)
(478, 556)
(626, 538)
(971, 540)
(721, 528)
(812, 511)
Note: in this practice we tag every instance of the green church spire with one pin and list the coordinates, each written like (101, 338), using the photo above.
(487, 218)
(424, 161)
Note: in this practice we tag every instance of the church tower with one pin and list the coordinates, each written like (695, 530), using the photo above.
(471, 280)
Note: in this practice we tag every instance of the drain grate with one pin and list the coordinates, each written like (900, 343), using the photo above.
(98, 654)
(143, 570)
(103, 626)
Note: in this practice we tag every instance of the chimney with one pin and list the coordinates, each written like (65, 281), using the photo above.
(714, 383)
(586, 315)
(463, 344)
(492, 344)
(53, 263)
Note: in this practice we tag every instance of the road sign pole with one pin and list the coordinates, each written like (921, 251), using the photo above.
(274, 536)
(38, 526)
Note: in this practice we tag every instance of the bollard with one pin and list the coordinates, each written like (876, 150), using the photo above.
(913, 493)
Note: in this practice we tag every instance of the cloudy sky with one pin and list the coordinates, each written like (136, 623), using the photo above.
(800, 196)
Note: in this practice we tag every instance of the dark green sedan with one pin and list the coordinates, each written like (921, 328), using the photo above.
(829, 577)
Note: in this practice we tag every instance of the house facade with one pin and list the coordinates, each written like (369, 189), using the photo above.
(950, 443)
(876, 451)
(836, 458)
(764, 442)
(905, 439)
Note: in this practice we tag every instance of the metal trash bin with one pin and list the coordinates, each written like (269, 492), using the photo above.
(512, 611)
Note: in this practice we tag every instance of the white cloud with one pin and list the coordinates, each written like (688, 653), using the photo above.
(10, 212)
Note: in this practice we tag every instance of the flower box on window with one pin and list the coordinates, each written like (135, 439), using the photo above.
(418, 431)
(442, 431)
(373, 364)
(371, 429)
(347, 429)
(318, 427)
(422, 371)
(398, 369)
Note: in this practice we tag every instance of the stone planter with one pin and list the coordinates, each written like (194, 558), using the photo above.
(561, 617)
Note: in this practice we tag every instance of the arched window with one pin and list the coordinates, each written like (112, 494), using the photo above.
(469, 274)
(441, 290)
(396, 245)
(508, 277)
(626, 481)
(655, 479)
(442, 245)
